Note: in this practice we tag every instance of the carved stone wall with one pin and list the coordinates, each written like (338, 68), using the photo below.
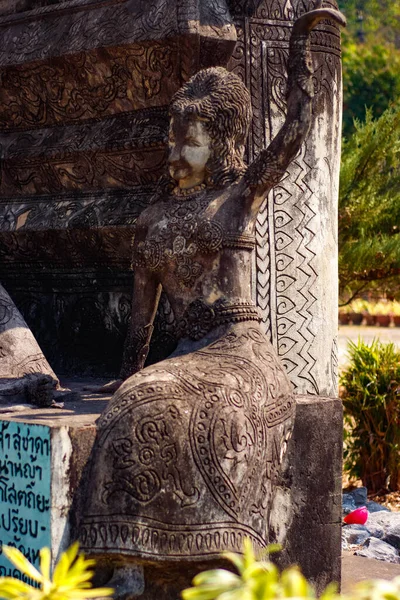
(83, 122)
(296, 262)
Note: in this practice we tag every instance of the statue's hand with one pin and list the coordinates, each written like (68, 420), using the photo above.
(309, 20)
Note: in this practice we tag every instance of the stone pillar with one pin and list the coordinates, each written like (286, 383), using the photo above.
(295, 275)
(307, 513)
(296, 265)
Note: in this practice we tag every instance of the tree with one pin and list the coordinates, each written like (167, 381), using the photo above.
(371, 58)
(371, 78)
(372, 20)
(369, 206)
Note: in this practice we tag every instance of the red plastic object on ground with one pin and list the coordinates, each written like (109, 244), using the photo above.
(357, 517)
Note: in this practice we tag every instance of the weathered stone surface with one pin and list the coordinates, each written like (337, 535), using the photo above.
(348, 504)
(374, 507)
(65, 182)
(357, 498)
(83, 126)
(296, 265)
(385, 525)
(25, 374)
(185, 459)
(188, 453)
(35, 388)
(360, 496)
(380, 550)
(306, 516)
(79, 423)
(355, 534)
(19, 351)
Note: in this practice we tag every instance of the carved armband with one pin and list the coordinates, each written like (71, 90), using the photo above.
(264, 170)
(300, 69)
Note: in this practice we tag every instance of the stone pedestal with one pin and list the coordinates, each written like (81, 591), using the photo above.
(43, 453)
(307, 513)
(307, 509)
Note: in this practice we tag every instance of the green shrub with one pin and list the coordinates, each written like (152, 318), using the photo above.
(261, 580)
(257, 580)
(371, 400)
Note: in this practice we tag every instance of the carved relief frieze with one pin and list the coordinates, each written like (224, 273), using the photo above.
(89, 170)
(72, 248)
(70, 211)
(122, 151)
(132, 130)
(126, 151)
(74, 26)
(95, 84)
(71, 28)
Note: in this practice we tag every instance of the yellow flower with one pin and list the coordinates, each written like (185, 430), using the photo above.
(71, 577)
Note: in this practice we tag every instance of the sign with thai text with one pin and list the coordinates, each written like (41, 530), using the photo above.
(24, 492)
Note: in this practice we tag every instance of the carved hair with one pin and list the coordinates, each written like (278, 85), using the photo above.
(222, 102)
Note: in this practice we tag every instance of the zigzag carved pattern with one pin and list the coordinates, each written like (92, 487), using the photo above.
(257, 97)
(286, 274)
(295, 297)
(263, 270)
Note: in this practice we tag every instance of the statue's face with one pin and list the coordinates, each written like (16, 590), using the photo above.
(189, 151)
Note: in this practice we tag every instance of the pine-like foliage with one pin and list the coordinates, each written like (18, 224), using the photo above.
(371, 57)
(369, 206)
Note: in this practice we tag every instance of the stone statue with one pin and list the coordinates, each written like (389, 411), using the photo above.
(25, 374)
(188, 449)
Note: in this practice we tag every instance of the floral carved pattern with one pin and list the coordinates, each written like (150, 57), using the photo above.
(204, 430)
(94, 84)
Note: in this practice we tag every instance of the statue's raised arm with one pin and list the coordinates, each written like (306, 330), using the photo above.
(269, 167)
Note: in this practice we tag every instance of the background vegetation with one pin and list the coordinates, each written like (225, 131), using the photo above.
(370, 388)
(369, 204)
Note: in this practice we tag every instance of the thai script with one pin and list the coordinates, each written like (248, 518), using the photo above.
(32, 554)
(22, 442)
(10, 572)
(25, 491)
(11, 522)
(20, 469)
(26, 498)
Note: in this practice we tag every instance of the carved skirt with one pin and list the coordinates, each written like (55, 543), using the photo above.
(188, 452)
